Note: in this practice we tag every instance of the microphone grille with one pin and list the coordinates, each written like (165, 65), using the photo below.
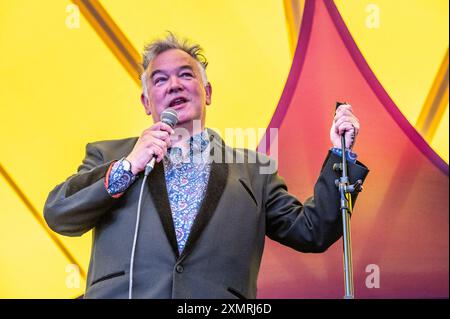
(170, 117)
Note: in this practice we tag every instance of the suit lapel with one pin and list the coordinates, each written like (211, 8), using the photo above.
(158, 190)
(216, 185)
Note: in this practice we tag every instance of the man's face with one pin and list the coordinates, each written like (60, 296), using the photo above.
(174, 80)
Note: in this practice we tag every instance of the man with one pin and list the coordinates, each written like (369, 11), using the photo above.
(203, 223)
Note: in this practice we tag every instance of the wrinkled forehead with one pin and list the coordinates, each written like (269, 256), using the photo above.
(171, 60)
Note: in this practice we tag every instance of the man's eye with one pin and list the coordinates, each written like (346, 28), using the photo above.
(158, 80)
(186, 75)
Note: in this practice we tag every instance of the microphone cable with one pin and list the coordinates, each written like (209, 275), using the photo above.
(148, 169)
(170, 117)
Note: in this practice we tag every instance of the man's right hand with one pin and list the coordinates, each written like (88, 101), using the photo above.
(154, 141)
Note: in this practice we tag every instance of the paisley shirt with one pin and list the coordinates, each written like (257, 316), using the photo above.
(186, 177)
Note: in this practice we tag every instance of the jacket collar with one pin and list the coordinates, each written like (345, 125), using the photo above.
(216, 186)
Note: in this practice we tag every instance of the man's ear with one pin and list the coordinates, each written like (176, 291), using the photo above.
(145, 102)
(208, 90)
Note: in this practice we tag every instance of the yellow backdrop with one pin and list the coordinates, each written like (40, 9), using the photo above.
(60, 88)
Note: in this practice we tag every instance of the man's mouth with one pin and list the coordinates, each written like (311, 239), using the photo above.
(178, 101)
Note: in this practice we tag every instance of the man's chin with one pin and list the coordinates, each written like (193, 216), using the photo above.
(189, 123)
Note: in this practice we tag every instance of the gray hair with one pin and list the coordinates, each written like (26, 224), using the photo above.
(156, 47)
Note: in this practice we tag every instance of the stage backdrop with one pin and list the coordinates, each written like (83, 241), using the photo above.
(69, 76)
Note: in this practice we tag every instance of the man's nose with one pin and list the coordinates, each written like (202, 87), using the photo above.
(175, 84)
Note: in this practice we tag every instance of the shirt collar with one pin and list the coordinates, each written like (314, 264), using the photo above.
(198, 143)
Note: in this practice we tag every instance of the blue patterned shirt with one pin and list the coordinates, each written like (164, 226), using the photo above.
(186, 177)
(349, 155)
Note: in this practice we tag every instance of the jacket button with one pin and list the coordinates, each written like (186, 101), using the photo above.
(179, 268)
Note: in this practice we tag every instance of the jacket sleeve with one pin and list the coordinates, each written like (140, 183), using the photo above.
(315, 225)
(76, 205)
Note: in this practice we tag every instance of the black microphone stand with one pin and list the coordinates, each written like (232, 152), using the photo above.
(345, 190)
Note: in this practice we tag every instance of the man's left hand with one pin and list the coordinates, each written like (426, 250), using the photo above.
(344, 121)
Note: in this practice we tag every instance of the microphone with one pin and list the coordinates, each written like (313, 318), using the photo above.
(170, 117)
